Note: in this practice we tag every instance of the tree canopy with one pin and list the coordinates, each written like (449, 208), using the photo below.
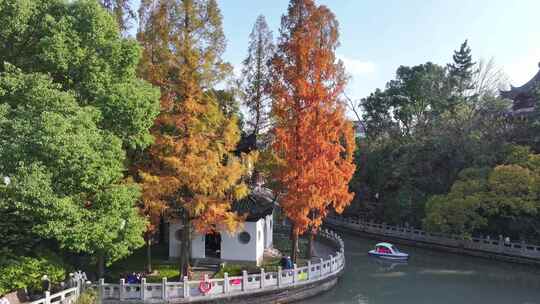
(502, 200)
(256, 75)
(192, 166)
(313, 140)
(71, 110)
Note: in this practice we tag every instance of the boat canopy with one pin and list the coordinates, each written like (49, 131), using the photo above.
(388, 246)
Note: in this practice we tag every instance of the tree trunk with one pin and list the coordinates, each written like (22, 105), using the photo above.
(185, 246)
(311, 248)
(149, 254)
(294, 247)
(100, 265)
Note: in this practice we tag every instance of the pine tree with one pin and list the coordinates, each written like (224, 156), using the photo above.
(191, 167)
(256, 74)
(312, 138)
(462, 69)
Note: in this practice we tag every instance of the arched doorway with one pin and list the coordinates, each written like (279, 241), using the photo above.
(212, 245)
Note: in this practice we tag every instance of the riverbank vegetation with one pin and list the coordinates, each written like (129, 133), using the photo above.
(442, 151)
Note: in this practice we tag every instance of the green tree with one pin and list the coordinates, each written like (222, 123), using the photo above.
(79, 45)
(65, 136)
(256, 73)
(462, 70)
(410, 103)
(500, 201)
(66, 173)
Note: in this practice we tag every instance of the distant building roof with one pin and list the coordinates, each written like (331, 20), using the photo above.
(256, 205)
(524, 97)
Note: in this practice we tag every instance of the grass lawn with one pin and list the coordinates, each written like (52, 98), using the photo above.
(136, 262)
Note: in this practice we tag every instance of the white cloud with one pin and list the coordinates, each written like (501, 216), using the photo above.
(357, 67)
(524, 68)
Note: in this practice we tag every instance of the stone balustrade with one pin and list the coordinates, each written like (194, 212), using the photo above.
(229, 286)
(67, 296)
(496, 246)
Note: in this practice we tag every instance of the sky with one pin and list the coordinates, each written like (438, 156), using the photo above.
(379, 36)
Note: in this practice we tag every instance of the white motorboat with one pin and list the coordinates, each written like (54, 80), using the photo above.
(388, 251)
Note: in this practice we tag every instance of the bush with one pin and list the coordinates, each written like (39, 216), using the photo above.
(87, 297)
(26, 272)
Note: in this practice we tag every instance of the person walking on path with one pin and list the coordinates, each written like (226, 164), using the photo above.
(45, 283)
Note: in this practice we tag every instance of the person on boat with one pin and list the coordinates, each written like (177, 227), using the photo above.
(384, 250)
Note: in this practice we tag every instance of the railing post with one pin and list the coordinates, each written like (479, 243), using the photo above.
(186, 287)
(100, 289)
(225, 282)
(262, 278)
(331, 263)
(164, 288)
(321, 261)
(122, 289)
(295, 275)
(244, 280)
(47, 297)
(143, 288)
(308, 271)
(279, 276)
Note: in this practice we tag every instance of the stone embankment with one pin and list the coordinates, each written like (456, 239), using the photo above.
(476, 246)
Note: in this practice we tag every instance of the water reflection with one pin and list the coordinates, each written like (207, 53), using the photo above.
(430, 277)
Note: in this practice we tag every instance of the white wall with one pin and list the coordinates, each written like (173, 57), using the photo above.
(197, 246)
(174, 243)
(232, 249)
(269, 226)
(260, 240)
(197, 242)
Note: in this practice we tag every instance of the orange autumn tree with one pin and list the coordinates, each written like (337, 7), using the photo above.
(312, 138)
(191, 167)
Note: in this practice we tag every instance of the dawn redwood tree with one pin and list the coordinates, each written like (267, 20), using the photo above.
(256, 73)
(191, 166)
(313, 140)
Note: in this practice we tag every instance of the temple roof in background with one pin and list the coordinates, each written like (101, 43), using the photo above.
(524, 97)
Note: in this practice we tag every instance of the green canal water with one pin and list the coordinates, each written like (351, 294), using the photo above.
(430, 277)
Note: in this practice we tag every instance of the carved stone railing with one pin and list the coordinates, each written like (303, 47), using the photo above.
(496, 246)
(229, 286)
(67, 296)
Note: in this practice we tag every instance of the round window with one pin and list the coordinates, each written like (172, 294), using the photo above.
(244, 237)
(178, 235)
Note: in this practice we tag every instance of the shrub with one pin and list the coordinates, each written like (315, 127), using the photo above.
(87, 297)
(26, 272)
